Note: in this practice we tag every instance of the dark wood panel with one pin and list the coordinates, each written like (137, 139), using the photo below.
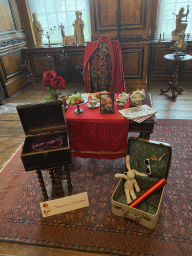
(135, 64)
(159, 67)
(39, 65)
(6, 20)
(132, 62)
(132, 14)
(11, 62)
(158, 63)
(103, 18)
(120, 17)
(16, 15)
(15, 84)
(107, 13)
(62, 62)
(76, 58)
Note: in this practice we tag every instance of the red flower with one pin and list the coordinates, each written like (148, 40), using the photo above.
(45, 83)
(58, 82)
(48, 77)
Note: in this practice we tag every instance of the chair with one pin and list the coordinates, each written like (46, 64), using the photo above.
(103, 67)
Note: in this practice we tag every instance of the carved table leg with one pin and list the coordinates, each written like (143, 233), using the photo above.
(51, 173)
(42, 185)
(166, 90)
(58, 183)
(173, 85)
(68, 177)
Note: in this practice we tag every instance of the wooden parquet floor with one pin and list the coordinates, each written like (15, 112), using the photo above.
(12, 137)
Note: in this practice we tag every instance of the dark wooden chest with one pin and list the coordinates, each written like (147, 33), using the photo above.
(47, 143)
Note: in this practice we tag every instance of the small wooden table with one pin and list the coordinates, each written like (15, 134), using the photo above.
(174, 84)
(97, 135)
(145, 129)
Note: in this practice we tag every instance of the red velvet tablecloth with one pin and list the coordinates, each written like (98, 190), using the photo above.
(96, 135)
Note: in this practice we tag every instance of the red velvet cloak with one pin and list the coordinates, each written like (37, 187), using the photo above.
(116, 59)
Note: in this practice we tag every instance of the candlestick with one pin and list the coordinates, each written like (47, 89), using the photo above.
(48, 33)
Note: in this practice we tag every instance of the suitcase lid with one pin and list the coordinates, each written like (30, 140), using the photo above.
(45, 117)
(149, 157)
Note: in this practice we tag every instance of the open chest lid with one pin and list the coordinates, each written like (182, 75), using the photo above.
(150, 158)
(40, 118)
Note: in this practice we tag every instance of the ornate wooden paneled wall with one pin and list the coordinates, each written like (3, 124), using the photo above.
(12, 41)
(131, 22)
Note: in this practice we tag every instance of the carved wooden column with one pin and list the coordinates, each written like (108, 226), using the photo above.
(51, 173)
(42, 185)
(68, 177)
(58, 184)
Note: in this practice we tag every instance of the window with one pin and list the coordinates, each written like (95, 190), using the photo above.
(52, 13)
(167, 17)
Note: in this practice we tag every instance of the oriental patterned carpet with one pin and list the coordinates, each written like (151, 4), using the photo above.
(95, 228)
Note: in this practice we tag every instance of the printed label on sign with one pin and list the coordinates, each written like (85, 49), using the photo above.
(64, 204)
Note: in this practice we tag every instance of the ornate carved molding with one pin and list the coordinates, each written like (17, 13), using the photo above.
(48, 59)
(63, 56)
(133, 39)
(13, 42)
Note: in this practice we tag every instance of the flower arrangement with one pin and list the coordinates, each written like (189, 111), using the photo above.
(54, 84)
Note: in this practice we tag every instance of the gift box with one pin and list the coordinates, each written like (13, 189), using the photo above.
(150, 161)
(47, 143)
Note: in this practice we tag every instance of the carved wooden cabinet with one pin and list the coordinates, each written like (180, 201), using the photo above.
(130, 22)
(62, 59)
(121, 18)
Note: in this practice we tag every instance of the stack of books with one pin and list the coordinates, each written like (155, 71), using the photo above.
(138, 114)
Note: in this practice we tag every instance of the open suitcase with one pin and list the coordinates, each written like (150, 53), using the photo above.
(158, 158)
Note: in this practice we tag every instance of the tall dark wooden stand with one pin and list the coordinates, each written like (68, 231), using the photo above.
(42, 123)
(173, 85)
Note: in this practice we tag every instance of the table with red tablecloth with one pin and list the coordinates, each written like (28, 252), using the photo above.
(96, 135)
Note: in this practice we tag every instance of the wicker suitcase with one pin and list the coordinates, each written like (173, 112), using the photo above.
(158, 156)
